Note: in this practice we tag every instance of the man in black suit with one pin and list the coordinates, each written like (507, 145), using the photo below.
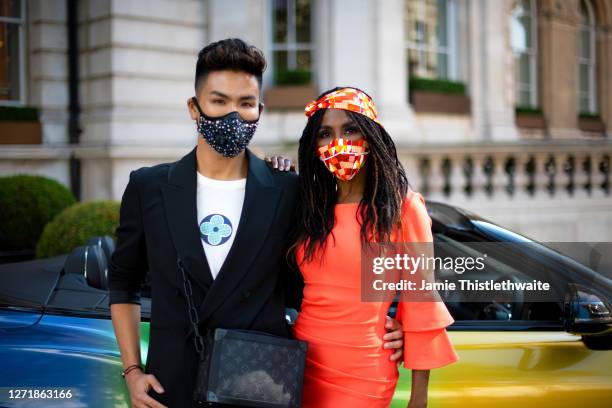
(222, 214)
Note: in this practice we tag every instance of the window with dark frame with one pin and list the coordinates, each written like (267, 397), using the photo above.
(523, 39)
(430, 35)
(291, 37)
(11, 59)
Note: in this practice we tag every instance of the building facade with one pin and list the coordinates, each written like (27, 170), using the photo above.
(503, 107)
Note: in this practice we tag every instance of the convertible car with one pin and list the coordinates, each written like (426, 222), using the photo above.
(57, 345)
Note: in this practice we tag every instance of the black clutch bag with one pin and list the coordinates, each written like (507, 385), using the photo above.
(245, 367)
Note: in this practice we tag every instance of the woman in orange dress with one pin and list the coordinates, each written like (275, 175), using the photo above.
(352, 183)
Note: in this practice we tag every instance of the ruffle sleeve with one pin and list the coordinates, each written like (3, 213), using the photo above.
(426, 341)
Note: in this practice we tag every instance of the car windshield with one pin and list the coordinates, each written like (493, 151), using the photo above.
(518, 258)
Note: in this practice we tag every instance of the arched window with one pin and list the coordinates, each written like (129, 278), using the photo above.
(523, 38)
(586, 54)
(430, 28)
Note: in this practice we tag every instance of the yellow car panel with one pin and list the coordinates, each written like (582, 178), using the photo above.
(518, 369)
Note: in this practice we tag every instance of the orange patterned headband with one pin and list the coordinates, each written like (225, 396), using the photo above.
(349, 99)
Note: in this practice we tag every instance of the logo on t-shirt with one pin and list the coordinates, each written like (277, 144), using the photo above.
(215, 229)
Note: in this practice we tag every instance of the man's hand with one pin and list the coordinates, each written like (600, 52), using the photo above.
(139, 384)
(280, 163)
(394, 339)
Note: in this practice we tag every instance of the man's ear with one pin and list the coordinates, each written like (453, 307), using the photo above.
(261, 107)
(192, 109)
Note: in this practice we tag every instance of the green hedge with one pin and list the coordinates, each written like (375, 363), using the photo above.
(436, 85)
(18, 114)
(292, 77)
(75, 225)
(527, 110)
(589, 115)
(27, 204)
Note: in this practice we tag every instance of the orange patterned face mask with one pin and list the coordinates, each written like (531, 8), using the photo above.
(344, 157)
(349, 99)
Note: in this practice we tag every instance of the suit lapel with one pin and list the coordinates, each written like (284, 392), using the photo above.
(182, 215)
(258, 211)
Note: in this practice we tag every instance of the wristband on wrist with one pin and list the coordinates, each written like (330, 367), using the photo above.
(131, 368)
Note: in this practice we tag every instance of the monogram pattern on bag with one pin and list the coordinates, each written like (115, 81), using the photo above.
(258, 371)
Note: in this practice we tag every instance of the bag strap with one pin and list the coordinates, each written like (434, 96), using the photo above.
(192, 311)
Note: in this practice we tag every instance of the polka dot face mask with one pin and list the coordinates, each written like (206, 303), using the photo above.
(344, 157)
(229, 134)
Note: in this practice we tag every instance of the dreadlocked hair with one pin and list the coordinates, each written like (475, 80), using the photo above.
(379, 211)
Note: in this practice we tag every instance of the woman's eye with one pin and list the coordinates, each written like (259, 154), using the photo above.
(323, 135)
(350, 131)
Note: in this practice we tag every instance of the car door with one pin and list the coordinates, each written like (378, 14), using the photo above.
(517, 364)
(69, 351)
(523, 360)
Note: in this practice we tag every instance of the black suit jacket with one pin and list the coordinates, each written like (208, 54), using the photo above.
(158, 224)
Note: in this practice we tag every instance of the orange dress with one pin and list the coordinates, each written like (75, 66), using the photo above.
(347, 365)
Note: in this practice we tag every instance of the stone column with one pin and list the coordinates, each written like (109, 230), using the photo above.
(344, 46)
(491, 73)
(391, 71)
(48, 75)
(558, 73)
(137, 72)
(245, 19)
(361, 43)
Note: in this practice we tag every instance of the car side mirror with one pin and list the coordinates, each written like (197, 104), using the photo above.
(586, 312)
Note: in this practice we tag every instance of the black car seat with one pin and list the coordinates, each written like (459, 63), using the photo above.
(89, 261)
(106, 243)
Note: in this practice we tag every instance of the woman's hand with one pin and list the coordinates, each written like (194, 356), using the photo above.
(394, 339)
(280, 163)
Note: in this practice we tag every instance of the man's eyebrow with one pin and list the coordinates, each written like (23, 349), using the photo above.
(222, 95)
(242, 98)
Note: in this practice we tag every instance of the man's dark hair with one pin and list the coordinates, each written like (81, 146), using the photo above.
(230, 54)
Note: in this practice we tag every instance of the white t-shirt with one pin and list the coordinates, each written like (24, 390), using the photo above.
(219, 208)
